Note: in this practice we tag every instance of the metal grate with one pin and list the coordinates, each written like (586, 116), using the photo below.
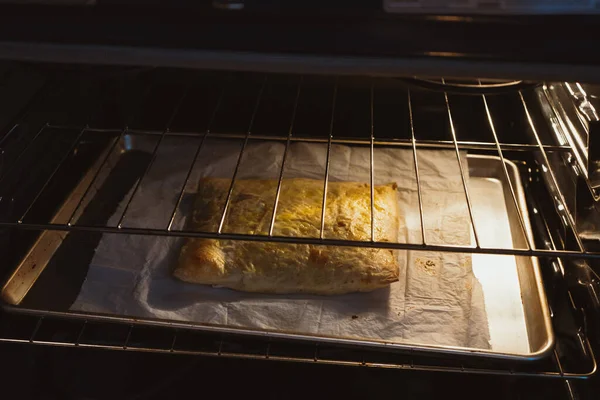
(218, 111)
(224, 107)
(87, 331)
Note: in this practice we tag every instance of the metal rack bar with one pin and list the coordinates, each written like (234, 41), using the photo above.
(372, 168)
(462, 172)
(278, 190)
(326, 181)
(506, 175)
(421, 143)
(416, 164)
(96, 174)
(22, 153)
(268, 351)
(126, 342)
(80, 334)
(241, 156)
(570, 220)
(285, 153)
(556, 360)
(152, 159)
(185, 181)
(54, 171)
(561, 371)
(7, 136)
(100, 130)
(171, 349)
(220, 352)
(139, 181)
(308, 240)
(195, 159)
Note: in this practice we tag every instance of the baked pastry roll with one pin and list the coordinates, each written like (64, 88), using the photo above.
(270, 267)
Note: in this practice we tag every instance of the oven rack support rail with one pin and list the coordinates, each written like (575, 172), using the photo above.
(539, 149)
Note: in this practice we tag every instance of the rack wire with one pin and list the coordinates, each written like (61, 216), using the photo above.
(540, 148)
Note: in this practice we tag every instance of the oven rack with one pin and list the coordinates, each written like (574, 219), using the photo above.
(47, 328)
(538, 149)
(126, 334)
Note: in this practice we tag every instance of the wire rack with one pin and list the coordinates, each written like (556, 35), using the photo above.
(389, 117)
(535, 145)
(114, 333)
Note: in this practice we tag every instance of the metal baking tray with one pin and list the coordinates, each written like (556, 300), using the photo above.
(49, 277)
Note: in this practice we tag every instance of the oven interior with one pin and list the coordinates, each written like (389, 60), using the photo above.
(63, 127)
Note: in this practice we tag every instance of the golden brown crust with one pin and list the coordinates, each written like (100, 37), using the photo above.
(292, 268)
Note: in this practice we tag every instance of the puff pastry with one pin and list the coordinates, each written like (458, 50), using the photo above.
(269, 267)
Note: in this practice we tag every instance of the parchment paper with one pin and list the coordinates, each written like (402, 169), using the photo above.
(437, 301)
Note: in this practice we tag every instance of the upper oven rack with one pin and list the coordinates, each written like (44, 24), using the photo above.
(538, 148)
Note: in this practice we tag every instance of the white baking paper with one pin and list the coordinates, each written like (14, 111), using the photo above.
(437, 301)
